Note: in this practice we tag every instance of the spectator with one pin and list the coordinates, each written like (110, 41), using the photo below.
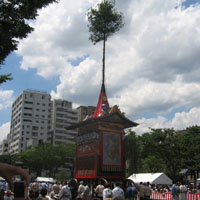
(107, 192)
(131, 192)
(147, 191)
(141, 189)
(55, 191)
(183, 192)
(99, 190)
(65, 192)
(8, 196)
(175, 192)
(118, 193)
(81, 189)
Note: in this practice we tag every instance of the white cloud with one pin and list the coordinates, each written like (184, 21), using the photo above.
(180, 121)
(4, 130)
(6, 98)
(152, 64)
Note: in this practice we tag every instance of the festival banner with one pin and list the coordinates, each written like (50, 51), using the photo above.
(112, 150)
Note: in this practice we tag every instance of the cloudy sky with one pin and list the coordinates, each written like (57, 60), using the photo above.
(152, 63)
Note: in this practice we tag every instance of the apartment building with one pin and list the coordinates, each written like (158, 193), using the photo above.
(30, 120)
(4, 147)
(84, 111)
(62, 116)
(35, 118)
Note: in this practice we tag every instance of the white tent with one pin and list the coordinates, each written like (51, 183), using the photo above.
(45, 179)
(152, 178)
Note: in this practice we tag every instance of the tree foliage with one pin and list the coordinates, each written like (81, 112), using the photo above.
(164, 150)
(14, 16)
(43, 157)
(132, 152)
(104, 21)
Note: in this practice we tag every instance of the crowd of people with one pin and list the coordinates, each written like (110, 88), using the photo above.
(74, 190)
(84, 191)
(103, 190)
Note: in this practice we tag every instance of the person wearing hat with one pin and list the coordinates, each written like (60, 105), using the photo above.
(81, 189)
(99, 190)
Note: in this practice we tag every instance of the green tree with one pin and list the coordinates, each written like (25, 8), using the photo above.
(191, 151)
(161, 152)
(103, 22)
(46, 157)
(132, 152)
(62, 175)
(14, 16)
(153, 164)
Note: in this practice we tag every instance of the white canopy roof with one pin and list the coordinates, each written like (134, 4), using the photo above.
(152, 178)
(45, 179)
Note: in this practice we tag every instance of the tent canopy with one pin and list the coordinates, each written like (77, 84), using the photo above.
(45, 179)
(152, 178)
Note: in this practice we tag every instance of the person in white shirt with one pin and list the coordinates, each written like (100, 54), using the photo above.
(65, 192)
(118, 192)
(183, 192)
(99, 190)
(81, 189)
(107, 192)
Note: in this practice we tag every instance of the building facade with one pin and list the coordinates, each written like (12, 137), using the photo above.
(36, 118)
(30, 120)
(62, 116)
(4, 147)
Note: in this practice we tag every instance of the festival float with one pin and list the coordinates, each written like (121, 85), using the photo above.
(100, 144)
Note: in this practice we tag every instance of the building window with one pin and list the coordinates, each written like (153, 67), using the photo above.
(28, 102)
(34, 128)
(34, 134)
(27, 108)
(27, 120)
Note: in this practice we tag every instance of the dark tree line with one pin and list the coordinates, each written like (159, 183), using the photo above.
(164, 150)
(43, 157)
